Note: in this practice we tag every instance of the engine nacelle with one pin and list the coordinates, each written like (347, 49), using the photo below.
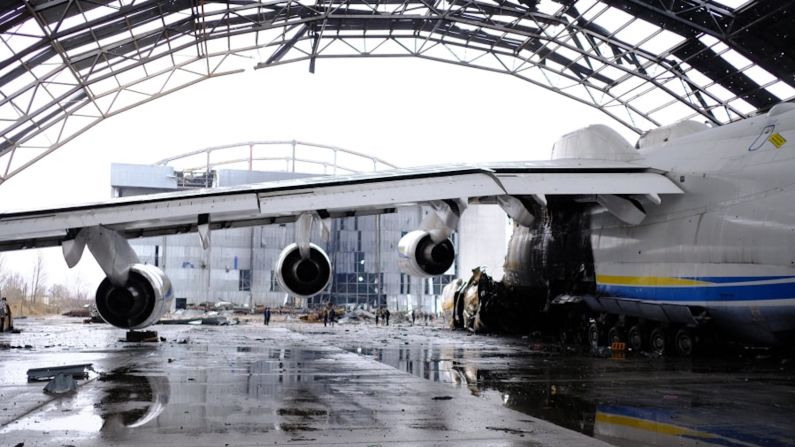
(303, 277)
(140, 303)
(421, 256)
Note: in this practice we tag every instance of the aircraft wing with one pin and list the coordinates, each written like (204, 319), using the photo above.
(338, 196)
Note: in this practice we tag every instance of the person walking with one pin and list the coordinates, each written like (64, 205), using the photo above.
(267, 316)
(377, 314)
(325, 317)
(331, 316)
(412, 317)
(386, 316)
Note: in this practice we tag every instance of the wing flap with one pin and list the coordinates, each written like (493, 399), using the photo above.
(384, 194)
(587, 183)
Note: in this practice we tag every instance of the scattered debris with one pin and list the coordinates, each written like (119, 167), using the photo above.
(512, 431)
(358, 315)
(316, 314)
(83, 312)
(141, 336)
(199, 317)
(90, 311)
(61, 384)
(442, 397)
(601, 351)
(75, 371)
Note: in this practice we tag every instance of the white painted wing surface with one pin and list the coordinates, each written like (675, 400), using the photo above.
(360, 194)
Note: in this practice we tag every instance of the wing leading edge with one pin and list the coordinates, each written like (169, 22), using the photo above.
(363, 194)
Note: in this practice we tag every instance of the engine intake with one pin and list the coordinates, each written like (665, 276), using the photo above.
(140, 302)
(421, 256)
(303, 277)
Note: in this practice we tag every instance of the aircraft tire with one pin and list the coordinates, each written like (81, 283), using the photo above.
(683, 342)
(595, 338)
(657, 340)
(614, 335)
(635, 338)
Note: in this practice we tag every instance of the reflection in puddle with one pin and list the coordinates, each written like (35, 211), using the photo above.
(130, 400)
(84, 420)
(248, 389)
(602, 398)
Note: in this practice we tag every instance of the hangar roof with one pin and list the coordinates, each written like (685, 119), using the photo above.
(65, 65)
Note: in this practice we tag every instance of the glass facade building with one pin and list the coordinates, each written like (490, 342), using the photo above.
(238, 267)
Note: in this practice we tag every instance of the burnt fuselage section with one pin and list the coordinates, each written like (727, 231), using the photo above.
(551, 258)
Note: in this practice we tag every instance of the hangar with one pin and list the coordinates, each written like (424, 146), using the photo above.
(68, 64)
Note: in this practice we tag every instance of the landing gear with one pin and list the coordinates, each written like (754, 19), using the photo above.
(638, 335)
(594, 335)
(683, 342)
(635, 338)
(657, 340)
(614, 335)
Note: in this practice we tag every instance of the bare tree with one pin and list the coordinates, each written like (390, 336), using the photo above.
(60, 292)
(78, 287)
(14, 288)
(3, 274)
(39, 278)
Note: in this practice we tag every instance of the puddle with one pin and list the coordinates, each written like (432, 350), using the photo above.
(634, 401)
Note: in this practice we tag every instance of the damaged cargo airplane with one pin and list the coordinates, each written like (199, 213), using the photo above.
(693, 226)
(653, 272)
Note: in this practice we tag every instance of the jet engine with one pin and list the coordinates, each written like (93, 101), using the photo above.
(421, 256)
(146, 295)
(303, 277)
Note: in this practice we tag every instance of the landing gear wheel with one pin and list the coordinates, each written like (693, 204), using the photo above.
(563, 338)
(683, 341)
(594, 335)
(657, 340)
(635, 338)
(614, 335)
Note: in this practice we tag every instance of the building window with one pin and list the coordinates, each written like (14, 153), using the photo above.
(275, 283)
(438, 283)
(244, 280)
(405, 284)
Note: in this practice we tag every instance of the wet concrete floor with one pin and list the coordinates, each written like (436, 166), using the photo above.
(355, 384)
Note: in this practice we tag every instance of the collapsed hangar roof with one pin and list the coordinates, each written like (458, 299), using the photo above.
(65, 65)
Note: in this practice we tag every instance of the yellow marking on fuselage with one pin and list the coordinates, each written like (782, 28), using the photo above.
(647, 281)
(777, 140)
(651, 426)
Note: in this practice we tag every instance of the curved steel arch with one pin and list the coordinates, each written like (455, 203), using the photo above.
(68, 64)
(338, 159)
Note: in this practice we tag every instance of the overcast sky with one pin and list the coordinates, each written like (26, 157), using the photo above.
(408, 111)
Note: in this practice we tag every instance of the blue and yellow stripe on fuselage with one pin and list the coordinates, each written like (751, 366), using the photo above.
(678, 426)
(697, 289)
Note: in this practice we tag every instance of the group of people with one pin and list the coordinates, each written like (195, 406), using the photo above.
(382, 314)
(426, 316)
(6, 323)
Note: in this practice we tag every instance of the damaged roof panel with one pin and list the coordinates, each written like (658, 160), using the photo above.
(719, 61)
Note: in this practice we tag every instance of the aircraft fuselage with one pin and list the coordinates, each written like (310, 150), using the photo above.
(726, 246)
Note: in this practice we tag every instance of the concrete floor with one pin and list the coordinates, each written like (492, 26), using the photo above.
(300, 384)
